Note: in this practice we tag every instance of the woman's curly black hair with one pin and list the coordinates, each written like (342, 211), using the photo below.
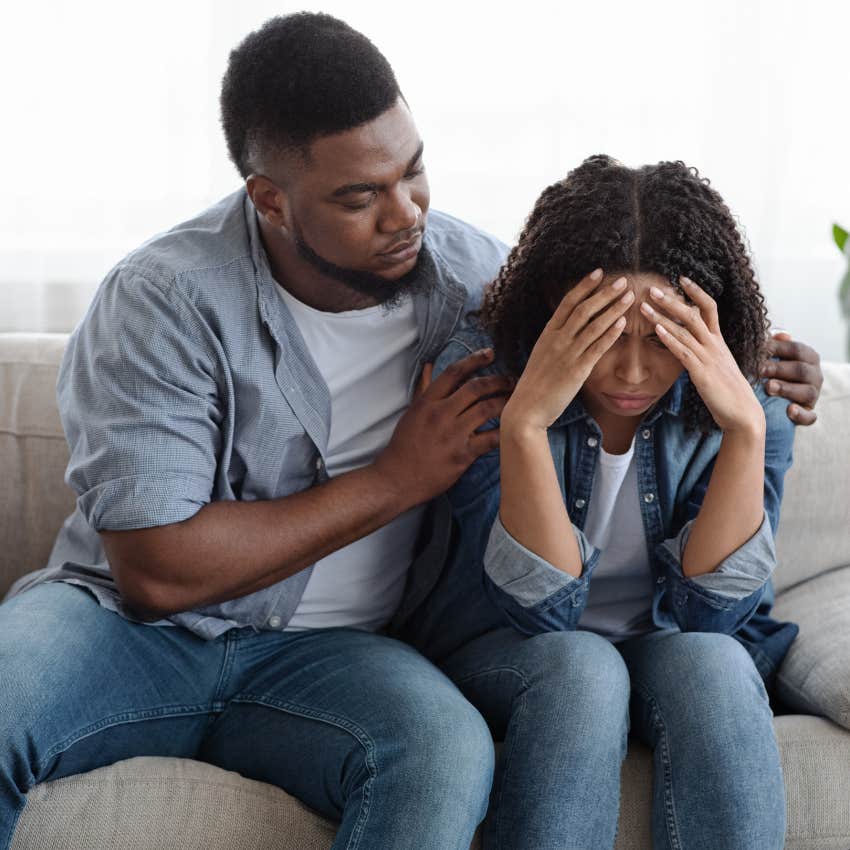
(663, 219)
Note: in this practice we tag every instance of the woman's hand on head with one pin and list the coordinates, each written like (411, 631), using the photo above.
(692, 334)
(584, 326)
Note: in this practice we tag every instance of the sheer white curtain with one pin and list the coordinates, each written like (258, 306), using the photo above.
(111, 133)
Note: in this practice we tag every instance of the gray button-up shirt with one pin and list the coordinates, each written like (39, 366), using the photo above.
(188, 382)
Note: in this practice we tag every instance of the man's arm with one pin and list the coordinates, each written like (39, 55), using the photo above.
(230, 549)
(796, 376)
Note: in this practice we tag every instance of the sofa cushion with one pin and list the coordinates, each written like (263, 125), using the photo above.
(815, 675)
(149, 803)
(814, 530)
(33, 453)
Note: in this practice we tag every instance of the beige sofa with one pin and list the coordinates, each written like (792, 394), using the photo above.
(165, 802)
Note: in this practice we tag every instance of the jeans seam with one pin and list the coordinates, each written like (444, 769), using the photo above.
(118, 720)
(516, 714)
(663, 746)
(343, 723)
(226, 667)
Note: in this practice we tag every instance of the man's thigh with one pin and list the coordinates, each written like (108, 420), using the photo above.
(83, 687)
(324, 712)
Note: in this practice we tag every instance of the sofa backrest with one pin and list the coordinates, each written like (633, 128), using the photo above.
(814, 532)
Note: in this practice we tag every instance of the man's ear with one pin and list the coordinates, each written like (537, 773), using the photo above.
(270, 201)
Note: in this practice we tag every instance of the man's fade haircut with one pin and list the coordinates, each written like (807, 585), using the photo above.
(296, 78)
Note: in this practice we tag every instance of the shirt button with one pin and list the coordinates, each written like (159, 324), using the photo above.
(274, 622)
(660, 580)
(648, 498)
(319, 462)
(580, 503)
(592, 442)
(646, 433)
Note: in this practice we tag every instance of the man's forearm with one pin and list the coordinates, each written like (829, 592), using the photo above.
(233, 548)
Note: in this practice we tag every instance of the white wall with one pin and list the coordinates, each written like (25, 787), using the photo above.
(110, 129)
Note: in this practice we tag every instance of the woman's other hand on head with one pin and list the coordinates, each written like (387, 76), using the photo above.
(692, 333)
(796, 376)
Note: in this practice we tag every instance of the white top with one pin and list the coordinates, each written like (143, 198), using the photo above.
(366, 358)
(619, 603)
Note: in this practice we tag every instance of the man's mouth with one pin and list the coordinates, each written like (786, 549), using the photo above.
(403, 251)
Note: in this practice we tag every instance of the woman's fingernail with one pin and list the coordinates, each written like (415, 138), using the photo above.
(596, 275)
(773, 387)
(647, 309)
(620, 283)
(656, 292)
(628, 297)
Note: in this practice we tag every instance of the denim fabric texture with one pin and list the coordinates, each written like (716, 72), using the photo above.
(564, 704)
(490, 579)
(188, 382)
(358, 726)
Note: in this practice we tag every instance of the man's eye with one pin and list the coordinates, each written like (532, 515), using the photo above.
(355, 207)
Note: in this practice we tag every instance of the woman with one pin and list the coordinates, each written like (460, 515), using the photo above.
(625, 529)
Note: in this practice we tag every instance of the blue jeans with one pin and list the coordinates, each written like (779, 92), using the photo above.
(562, 704)
(358, 726)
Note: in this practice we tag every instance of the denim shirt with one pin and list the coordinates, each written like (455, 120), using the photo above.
(189, 382)
(491, 579)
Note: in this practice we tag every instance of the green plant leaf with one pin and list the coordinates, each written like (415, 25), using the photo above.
(839, 234)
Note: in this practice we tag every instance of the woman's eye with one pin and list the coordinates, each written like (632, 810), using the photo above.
(412, 175)
(654, 340)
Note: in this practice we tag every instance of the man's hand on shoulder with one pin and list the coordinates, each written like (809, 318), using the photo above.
(436, 440)
(796, 376)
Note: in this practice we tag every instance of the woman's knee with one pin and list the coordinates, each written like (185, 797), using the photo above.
(714, 668)
(580, 661)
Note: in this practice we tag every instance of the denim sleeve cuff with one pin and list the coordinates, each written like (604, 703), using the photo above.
(144, 501)
(737, 576)
(528, 578)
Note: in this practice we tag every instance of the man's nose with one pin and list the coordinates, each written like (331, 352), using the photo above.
(400, 212)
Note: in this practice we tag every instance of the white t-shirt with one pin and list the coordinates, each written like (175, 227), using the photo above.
(619, 603)
(366, 358)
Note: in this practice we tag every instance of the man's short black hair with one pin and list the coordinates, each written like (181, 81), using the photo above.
(296, 78)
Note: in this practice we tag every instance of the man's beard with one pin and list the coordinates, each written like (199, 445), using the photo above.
(387, 293)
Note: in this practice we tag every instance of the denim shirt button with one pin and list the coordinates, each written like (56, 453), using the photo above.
(646, 433)
(580, 503)
(659, 580)
(649, 498)
(274, 622)
(319, 462)
(592, 442)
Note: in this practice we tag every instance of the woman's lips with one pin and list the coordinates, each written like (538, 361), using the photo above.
(629, 402)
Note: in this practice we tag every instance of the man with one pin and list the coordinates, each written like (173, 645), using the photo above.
(254, 482)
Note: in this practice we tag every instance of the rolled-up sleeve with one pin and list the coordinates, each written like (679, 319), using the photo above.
(138, 397)
(725, 598)
(535, 595)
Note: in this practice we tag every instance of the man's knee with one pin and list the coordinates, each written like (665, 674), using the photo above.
(444, 748)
